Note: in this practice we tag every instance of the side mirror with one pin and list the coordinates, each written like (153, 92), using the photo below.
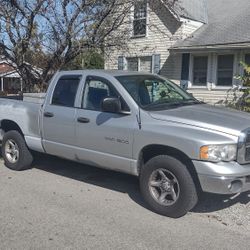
(111, 105)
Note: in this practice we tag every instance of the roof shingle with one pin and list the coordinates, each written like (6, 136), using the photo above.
(228, 23)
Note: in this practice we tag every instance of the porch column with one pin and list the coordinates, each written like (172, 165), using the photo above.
(2, 84)
(213, 70)
(21, 81)
(210, 71)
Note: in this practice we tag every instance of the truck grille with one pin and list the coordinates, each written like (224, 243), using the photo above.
(247, 155)
(248, 140)
(244, 147)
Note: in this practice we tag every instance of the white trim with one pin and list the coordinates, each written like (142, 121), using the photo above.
(138, 64)
(147, 19)
(213, 69)
(192, 23)
(190, 74)
(210, 71)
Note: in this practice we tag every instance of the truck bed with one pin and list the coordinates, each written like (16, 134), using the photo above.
(23, 113)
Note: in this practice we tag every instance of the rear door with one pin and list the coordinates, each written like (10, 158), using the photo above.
(59, 117)
(104, 139)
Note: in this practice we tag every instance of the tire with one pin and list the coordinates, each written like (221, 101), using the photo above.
(15, 152)
(173, 195)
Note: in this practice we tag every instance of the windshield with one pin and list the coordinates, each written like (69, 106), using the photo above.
(152, 92)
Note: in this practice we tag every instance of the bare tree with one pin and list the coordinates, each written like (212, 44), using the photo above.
(57, 31)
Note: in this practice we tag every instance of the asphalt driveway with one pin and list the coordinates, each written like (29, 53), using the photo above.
(63, 205)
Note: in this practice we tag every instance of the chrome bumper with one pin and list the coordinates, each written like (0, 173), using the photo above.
(223, 177)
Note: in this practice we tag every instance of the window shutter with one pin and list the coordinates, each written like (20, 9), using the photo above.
(185, 70)
(121, 62)
(156, 64)
(185, 66)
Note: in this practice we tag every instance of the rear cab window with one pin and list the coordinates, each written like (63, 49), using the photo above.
(65, 91)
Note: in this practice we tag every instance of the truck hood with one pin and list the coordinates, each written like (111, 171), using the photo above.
(205, 116)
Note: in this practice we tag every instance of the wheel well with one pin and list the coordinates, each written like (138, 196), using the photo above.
(151, 151)
(8, 125)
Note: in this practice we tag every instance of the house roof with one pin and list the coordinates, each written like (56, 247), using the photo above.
(228, 23)
(193, 9)
(5, 67)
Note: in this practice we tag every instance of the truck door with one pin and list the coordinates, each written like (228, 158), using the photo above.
(103, 139)
(59, 117)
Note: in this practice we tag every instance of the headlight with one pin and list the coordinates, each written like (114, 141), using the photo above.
(218, 153)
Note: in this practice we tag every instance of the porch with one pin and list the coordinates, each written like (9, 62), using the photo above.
(210, 73)
(11, 83)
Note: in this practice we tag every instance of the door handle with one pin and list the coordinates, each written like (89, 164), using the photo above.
(83, 120)
(48, 114)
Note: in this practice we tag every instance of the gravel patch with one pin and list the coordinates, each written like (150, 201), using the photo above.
(231, 211)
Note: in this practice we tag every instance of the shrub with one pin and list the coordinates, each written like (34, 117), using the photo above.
(238, 97)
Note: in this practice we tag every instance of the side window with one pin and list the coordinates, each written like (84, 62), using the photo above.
(65, 91)
(96, 89)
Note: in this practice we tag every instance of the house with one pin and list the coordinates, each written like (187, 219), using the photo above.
(199, 44)
(10, 80)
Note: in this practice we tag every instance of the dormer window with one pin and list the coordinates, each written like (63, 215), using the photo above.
(140, 18)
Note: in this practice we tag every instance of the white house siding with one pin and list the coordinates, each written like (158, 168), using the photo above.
(189, 27)
(163, 30)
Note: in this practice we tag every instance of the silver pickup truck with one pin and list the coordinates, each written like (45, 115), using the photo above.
(137, 123)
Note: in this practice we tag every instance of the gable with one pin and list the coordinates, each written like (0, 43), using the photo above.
(5, 68)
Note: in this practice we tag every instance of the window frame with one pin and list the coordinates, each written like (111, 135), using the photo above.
(193, 70)
(217, 70)
(245, 61)
(245, 57)
(134, 19)
(69, 76)
(110, 85)
(139, 62)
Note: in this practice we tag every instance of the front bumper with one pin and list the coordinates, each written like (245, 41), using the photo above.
(223, 177)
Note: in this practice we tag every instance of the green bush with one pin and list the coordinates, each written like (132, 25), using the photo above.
(3, 93)
(243, 103)
(239, 97)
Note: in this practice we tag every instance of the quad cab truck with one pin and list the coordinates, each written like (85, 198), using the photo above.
(137, 123)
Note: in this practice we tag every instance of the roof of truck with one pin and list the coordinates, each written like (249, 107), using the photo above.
(106, 72)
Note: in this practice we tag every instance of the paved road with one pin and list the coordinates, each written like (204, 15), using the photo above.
(63, 205)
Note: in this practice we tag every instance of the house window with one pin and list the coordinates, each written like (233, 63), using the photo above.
(143, 63)
(247, 59)
(132, 64)
(140, 18)
(146, 64)
(149, 64)
(225, 70)
(200, 70)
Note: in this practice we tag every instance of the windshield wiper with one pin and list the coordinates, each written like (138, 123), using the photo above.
(192, 101)
(172, 104)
